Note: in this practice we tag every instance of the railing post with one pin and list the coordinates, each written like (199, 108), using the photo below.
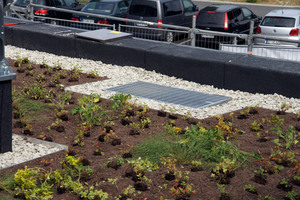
(193, 34)
(6, 75)
(31, 11)
(250, 38)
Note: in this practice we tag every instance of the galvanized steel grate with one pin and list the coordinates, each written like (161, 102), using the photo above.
(168, 94)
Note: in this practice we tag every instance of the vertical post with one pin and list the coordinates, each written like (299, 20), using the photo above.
(250, 38)
(193, 34)
(6, 75)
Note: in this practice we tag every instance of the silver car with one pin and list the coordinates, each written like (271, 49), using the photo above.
(279, 24)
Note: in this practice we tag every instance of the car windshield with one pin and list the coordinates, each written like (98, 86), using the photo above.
(143, 8)
(278, 22)
(210, 17)
(99, 7)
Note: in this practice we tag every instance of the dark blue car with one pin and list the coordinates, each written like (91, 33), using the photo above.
(116, 8)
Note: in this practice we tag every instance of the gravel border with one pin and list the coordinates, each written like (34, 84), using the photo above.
(119, 75)
(26, 149)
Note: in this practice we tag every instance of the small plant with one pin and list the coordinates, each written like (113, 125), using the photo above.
(98, 150)
(141, 165)
(290, 137)
(128, 193)
(119, 100)
(285, 158)
(114, 182)
(189, 118)
(89, 111)
(93, 74)
(74, 74)
(224, 170)
(283, 108)
(35, 91)
(41, 78)
(172, 129)
(115, 162)
(146, 122)
(29, 67)
(136, 128)
(255, 126)
(291, 195)
(269, 198)
(285, 185)
(260, 176)
(222, 190)
(57, 67)
(276, 119)
(46, 162)
(182, 189)
(196, 165)
(250, 188)
(244, 114)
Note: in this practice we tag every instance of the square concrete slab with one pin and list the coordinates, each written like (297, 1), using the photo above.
(103, 35)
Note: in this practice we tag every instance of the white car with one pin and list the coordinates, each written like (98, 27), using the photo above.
(280, 24)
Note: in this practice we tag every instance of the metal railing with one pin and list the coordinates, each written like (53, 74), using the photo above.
(157, 31)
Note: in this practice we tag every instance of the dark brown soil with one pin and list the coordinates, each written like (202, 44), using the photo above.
(205, 186)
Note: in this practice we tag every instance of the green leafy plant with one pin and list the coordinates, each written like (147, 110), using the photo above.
(146, 122)
(119, 100)
(290, 137)
(291, 195)
(255, 126)
(35, 91)
(285, 158)
(141, 165)
(74, 74)
(89, 111)
(269, 198)
(250, 188)
(93, 74)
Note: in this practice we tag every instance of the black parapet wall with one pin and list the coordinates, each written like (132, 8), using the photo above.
(221, 69)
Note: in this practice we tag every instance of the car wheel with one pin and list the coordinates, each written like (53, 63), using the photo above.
(53, 22)
(170, 37)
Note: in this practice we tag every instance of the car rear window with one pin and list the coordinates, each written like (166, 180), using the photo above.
(210, 17)
(99, 7)
(278, 21)
(143, 8)
(24, 3)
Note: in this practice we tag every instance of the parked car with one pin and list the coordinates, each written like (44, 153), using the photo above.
(20, 8)
(116, 8)
(282, 24)
(174, 12)
(224, 18)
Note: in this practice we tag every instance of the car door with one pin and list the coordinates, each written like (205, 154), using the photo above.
(248, 17)
(190, 9)
(239, 23)
(173, 12)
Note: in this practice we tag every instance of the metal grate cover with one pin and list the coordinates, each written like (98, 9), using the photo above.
(168, 94)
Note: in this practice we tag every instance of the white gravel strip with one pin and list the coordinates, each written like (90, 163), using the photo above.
(119, 75)
(25, 149)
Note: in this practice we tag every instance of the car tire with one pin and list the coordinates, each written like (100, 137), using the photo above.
(169, 37)
(53, 22)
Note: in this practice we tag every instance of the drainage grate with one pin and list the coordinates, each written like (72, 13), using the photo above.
(168, 94)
